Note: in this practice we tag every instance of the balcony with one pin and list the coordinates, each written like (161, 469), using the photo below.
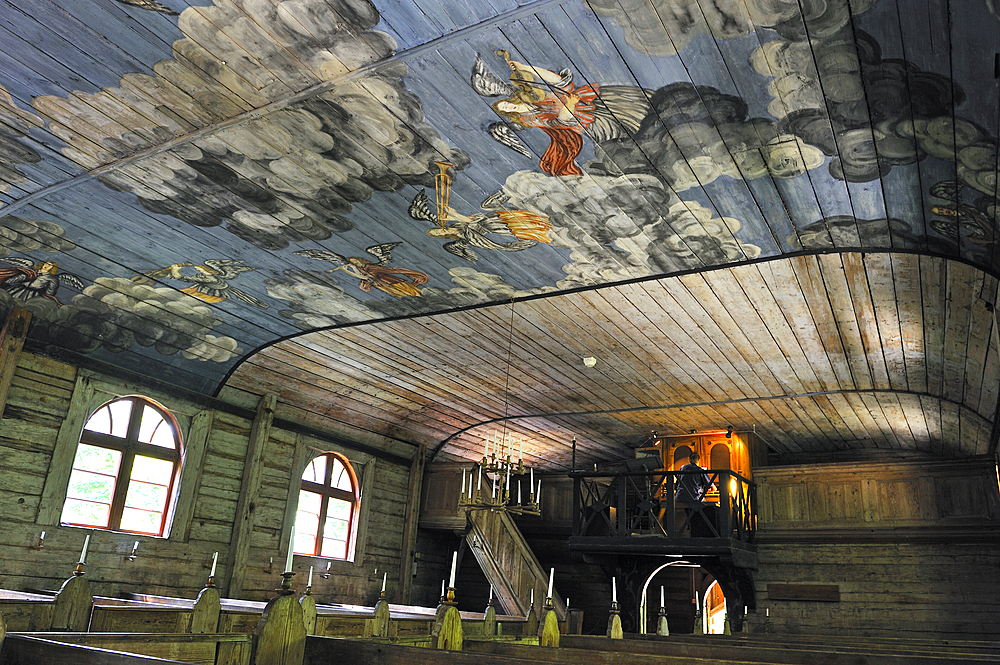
(634, 512)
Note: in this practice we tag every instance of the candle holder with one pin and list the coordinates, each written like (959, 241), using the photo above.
(449, 597)
(79, 568)
(210, 584)
(286, 584)
(40, 544)
(326, 575)
(662, 628)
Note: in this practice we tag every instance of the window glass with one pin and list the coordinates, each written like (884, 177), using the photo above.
(316, 471)
(120, 412)
(155, 429)
(324, 520)
(129, 436)
(340, 478)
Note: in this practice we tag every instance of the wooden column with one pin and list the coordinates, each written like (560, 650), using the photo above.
(239, 546)
(410, 526)
(61, 464)
(195, 446)
(15, 329)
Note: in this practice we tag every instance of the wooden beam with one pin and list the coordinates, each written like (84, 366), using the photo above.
(15, 329)
(192, 464)
(413, 492)
(239, 545)
(61, 465)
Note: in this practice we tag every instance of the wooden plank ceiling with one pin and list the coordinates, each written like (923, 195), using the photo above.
(778, 215)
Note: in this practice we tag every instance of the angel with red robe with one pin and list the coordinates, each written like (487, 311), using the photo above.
(552, 102)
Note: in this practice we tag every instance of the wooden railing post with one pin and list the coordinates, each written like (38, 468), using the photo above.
(622, 507)
(577, 515)
(725, 505)
(671, 508)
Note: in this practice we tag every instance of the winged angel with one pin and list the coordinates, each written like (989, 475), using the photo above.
(465, 232)
(33, 280)
(537, 97)
(210, 282)
(394, 281)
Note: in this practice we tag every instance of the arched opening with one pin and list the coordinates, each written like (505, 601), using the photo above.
(681, 582)
(715, 610)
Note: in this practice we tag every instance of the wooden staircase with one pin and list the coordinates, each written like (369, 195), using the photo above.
(508, 563)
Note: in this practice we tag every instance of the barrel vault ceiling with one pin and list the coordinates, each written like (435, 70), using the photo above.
(413, 219)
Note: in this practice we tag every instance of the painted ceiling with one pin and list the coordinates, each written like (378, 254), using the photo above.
(184, 185)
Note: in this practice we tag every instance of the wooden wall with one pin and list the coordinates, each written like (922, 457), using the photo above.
(49, 401)
(910, 547)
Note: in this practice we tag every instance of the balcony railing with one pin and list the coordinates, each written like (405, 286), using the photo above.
(641, 503)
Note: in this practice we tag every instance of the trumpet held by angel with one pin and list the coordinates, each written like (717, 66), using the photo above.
(552, 102)
(465, 232)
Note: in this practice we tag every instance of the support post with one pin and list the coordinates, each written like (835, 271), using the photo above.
(15, 329)
(239, 547)
(413, 491)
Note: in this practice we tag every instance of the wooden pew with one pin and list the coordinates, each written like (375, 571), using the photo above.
(199, 649)
(602, 651)
(32, 649)
(67, 609)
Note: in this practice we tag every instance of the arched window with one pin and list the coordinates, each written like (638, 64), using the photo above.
(326, 519)
(124, 470)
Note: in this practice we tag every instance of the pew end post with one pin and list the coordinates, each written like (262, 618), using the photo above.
(280, 636)
(548, 636)
(615, 622)
(73, 603)
(447, 632)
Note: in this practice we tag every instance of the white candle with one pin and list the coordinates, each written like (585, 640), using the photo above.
(567, 603)
(442, 588)
(288, 560)
(661, 597)
(538, 494)
(614, 590)
(491, 592)
(83, 553)
(384, 575)
(519, 492)
(495, 439)
(520, 448)
(532, 602)
(508, 482)
(697, 601)
(767, 611)
(493, 493)
(552, 574)
(42, 537)
(532, 483)
(462, 493)
(454, 565)
(479, 483)
(135, 547)
(309, 581)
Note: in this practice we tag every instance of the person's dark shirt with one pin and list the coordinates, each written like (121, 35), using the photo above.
(691, 487)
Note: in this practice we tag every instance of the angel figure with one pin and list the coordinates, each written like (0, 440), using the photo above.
(151, 5)
(209, 280)
(976, 220)
(464, 233)
(33, 280)
(394, 281)
(537, 97)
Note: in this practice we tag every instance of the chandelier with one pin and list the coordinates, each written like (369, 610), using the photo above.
(495, 482)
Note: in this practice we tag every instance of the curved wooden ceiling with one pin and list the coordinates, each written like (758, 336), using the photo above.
(815, 353)
(770, 213)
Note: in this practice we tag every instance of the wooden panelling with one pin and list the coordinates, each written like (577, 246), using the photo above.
(177, 565)
(886, 495)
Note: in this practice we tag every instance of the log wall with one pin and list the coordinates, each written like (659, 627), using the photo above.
(910, 548)
(49, 401)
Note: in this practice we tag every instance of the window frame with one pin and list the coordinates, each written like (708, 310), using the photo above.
(129, 447)
(327, 491)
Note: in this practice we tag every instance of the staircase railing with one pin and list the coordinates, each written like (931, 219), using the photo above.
(508, 563)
